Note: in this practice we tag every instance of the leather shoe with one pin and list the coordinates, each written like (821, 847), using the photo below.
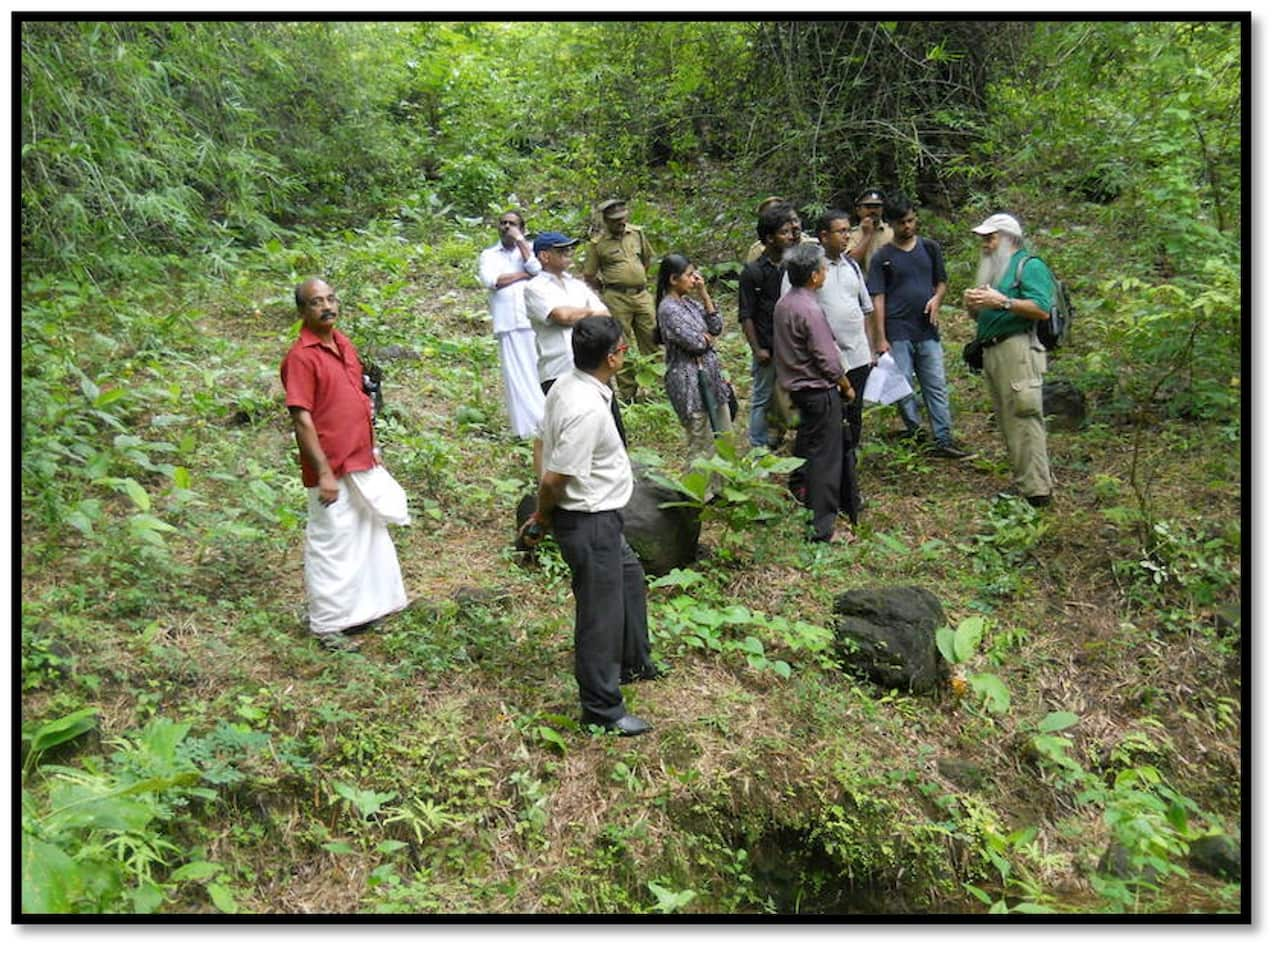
(625, 725)
(953, 451)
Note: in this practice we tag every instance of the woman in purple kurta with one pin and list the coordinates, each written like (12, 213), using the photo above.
(688, 324)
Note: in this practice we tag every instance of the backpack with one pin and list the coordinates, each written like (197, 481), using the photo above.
(1054, 331)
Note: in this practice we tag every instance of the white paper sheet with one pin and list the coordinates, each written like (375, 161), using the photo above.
(886, 384)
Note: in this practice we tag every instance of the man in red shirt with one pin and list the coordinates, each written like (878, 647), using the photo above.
(349, 562)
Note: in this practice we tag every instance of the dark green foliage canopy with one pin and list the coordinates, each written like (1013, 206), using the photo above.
(177, 138)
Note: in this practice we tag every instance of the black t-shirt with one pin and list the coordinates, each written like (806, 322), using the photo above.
(759, 288)
(907, 281)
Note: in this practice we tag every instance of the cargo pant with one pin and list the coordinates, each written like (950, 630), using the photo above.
(1014, 371)
(634, 311)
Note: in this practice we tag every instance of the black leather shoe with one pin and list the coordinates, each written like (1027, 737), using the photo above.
(953, 451)
(626, 725)
(1040, 500)
(652, 671)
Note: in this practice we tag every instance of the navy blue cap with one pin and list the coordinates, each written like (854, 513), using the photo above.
(547, 240)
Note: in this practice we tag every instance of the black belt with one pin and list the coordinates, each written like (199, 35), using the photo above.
(988, 342)
(626, 288)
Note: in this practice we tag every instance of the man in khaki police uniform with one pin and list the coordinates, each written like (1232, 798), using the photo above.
(617, 265)
(872, 231)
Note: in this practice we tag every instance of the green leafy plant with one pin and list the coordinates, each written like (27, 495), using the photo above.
(50, 735)
(1149, 819)
(1001, 852)
(547, 730)
(98, 840)
(686, 621)
(367, 803)
(1000, 550)
(748, 495)
(668, 901)
(957, 647)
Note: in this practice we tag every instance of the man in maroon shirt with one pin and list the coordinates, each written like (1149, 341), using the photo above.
(350, 566)
(809, 369)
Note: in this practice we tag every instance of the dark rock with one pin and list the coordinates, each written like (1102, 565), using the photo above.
(888, 635)
(1116, 863)
(663, 537)
(968, 775)
(474, 596)
(1064, 406)
(1217, 855)
(1227, 620)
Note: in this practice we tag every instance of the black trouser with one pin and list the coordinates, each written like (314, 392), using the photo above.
(821, 440)
(849, 496)
(611, 624)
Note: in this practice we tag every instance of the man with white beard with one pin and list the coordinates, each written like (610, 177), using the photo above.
(1013, 359)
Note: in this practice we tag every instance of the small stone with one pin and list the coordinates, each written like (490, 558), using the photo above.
(968, 775)
(1217, 855)
(475, 596)
(1227, 620)
(1116, 863)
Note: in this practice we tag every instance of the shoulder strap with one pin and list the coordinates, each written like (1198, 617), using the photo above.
(1022, 263)
(934, 250)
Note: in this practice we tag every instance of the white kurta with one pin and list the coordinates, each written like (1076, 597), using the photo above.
(349, 562)
(517, 348)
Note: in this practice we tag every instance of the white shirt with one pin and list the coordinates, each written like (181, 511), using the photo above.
(543, 295)
(581, 440)
(506, 305)
(846, 303)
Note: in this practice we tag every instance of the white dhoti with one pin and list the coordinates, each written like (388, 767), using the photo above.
(518, 355)
(349, 562)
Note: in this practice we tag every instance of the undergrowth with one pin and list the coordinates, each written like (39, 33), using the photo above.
(189, 749)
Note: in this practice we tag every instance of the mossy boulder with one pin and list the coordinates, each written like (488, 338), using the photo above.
(887, 634)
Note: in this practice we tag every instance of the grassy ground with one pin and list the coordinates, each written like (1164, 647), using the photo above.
(438, 769)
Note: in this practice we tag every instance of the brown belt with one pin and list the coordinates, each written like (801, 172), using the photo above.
(625, 288)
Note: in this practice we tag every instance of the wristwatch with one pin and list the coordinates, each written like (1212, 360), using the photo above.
(1008, 304)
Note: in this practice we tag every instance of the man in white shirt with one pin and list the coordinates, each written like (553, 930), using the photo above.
(848, 308)
(555, 301)
(502, 269)
(584, 484)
